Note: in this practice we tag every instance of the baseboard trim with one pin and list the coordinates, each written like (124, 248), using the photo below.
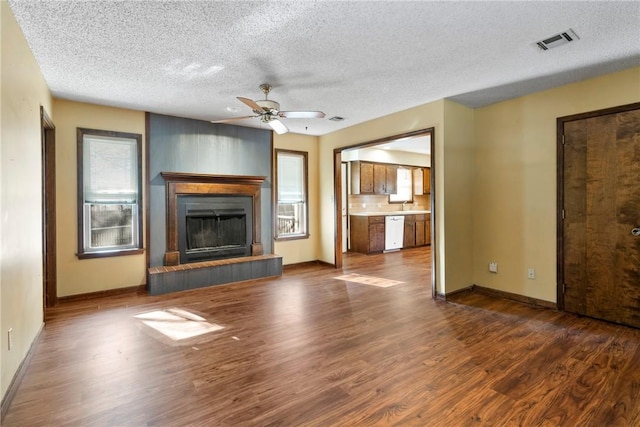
(306, 264)
(19, 375)
(457, 292)
(514, 297)
(141, 289)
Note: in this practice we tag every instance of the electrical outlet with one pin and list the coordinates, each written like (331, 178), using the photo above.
(531, 273)
(493, 267)
(10, 338)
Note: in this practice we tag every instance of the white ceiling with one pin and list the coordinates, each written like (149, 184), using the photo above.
(356, 59)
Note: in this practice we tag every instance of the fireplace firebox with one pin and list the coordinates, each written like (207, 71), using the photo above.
(214, 227)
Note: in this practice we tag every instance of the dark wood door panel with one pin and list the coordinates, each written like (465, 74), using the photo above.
(601, 186)
(575, 178)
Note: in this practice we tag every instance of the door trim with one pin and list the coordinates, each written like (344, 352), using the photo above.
(49, 254)
(560, 122)
(337, 193)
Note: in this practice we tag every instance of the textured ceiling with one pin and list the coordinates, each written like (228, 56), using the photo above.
(358, 60)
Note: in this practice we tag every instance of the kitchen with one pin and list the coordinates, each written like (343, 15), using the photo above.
(388, 196)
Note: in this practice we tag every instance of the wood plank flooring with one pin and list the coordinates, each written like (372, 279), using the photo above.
(310, 350)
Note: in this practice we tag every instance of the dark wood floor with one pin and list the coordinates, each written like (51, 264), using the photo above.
(307, 349)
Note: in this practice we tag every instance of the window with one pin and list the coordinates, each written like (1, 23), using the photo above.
(291, 192)
(109, 193)
(404, 186)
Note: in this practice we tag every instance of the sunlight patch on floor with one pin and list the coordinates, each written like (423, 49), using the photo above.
(369, 280)
(177, 324)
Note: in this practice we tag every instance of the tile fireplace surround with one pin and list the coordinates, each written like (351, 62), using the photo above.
(173, 276)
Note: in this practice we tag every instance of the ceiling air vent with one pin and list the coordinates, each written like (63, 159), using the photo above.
(336, 119)
(557, 40)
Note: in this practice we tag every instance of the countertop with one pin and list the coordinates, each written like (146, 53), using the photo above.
(387, 213)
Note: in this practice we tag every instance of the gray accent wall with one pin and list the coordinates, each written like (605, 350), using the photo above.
(195, 146)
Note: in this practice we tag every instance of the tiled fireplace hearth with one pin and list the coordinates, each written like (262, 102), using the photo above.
(178, 273)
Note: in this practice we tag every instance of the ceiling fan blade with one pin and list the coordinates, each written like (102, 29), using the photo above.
(251, 103)
(301, 114)
(278, 126)
(233, 119)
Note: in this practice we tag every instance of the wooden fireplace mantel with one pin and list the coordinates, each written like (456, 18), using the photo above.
(188, 184)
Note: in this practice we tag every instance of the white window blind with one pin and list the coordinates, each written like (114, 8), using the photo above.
(110, 170)
(290, 178)
(291, 214)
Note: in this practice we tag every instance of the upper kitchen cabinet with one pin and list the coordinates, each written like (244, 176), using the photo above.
(426, 177)
(373, 178)
(385, 178)
(422, 181)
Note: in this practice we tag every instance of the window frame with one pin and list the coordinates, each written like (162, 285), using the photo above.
(305, 186)
(82, 225)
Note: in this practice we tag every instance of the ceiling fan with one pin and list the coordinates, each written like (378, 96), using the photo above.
(269, 112)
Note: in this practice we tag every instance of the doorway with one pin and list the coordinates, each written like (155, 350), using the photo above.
(599, 214)
(49, 257)
(340, 184)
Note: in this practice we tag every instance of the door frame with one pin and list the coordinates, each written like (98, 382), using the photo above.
(337, 195)
(49, 257)
(560, 122)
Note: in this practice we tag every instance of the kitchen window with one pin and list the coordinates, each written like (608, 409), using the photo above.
(291, 192)
(109, 193)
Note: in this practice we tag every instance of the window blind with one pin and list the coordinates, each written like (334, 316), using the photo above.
(110, 170)
(290, 178)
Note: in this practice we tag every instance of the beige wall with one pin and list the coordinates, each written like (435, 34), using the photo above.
(97, 274)
(22, 92)
(455, 197)
(514, 209)
(302, 250)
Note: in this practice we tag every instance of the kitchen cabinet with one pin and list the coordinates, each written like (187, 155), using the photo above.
(373, 178)
(367, 233)
(426, 179)
(422, 181)
(361, 178)
(423, 229)
(409, 239)
(385, 178)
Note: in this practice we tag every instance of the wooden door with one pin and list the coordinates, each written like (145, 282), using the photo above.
(409, 236)
(379, 178)
(601, 227)
(420, 233)
(426, 184)
(391, 179)
(49, 254)
(376, 236)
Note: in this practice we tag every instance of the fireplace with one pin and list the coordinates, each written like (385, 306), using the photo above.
(212, 217)
(214, 227)
(213, 233)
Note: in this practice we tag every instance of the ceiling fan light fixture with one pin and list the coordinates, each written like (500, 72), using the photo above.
(277, 126)
(268, 105)
(269, 111)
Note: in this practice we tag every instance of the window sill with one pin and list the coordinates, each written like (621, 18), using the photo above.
(295, 237)
(107, 254)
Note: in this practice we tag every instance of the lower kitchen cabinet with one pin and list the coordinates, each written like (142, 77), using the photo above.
(367, 234)
(423, 229)
(410, 239)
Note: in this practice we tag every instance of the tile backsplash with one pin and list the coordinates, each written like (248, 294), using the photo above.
(380, 203)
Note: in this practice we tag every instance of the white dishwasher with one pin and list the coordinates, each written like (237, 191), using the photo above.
(393, 232)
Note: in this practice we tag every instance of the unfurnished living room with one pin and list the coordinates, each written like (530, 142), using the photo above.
(319, 213)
